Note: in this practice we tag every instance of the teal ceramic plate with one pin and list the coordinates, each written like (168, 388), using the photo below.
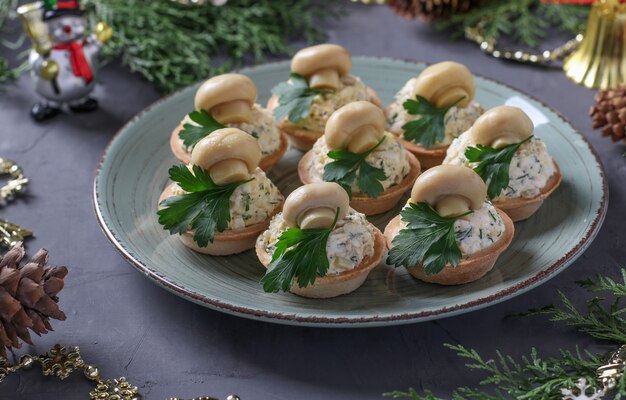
(133, 171)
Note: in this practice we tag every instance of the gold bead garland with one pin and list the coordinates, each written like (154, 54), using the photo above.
(489, 46)
(63, 361)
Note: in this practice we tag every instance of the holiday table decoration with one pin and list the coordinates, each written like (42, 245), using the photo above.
(149, 35)
(17, 181)
(11, 233)
(63, 58)
(28, 296)
(609, 113)
(577, 374)
(168, 43)
(600, 60)
(427, 10)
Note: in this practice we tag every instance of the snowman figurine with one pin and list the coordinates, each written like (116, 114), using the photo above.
(63, 58)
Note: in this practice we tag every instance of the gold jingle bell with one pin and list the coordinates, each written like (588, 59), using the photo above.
(600, 60)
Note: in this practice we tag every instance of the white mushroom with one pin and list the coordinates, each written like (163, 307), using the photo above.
(322, 65)
(314, 205)
(501, 126)
(228, 98)
(229, 154)
(450, 189)
(356, 127)
(444, 83)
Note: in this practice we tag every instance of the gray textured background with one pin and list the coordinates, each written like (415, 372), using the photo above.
(169, 347)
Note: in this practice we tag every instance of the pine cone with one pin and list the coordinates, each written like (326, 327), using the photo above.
(28, 296)
(609, 113)
(427, 10)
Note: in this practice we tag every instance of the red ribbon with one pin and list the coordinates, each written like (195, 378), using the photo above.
(574, 1)
(80, 66)
(67, 4)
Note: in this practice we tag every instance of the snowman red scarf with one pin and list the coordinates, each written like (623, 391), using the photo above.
(80, 66)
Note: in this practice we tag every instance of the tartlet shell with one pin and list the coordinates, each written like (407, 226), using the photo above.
(363, 204)
(470, 268)
(428, 157)
(329, 286)
(267, 162)
(230, 241)
(520, 209)
(303, 139)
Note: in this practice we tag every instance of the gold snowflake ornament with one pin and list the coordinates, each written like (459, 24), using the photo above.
(61, 361)
(116, 389)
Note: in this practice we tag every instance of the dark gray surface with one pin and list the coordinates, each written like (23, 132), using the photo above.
(169, 347)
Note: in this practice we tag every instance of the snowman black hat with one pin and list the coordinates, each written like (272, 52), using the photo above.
(59, 8)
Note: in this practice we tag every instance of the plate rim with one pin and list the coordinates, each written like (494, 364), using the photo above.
(359, 322)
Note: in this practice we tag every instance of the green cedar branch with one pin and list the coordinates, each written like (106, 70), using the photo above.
(349, 166)
(204, 209)
(527, 22)
(428, 239)
(534, 377)
(429, 128)
(299, 253)
(170, 45)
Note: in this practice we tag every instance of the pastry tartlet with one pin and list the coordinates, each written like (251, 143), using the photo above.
(448, 203)
(229, 159)
(352, 249)
(357, 131)
(323, 72)
(229, 100)
(446, 86)
(532, 173)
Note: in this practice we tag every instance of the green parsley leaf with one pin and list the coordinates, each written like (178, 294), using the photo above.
(428, 239)
(493, 165)
(299, 253)
(294, 98)
(429, 128)
(192, 134)
(350, 166)
(205, 209)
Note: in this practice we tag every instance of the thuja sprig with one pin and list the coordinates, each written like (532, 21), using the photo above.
(535, 377)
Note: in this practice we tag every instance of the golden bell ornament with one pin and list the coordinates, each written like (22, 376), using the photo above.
(599, 62)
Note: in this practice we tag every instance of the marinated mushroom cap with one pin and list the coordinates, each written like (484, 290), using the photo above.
(228, 98)
(444, 83)
(229, 154)
(322, 65)
(356, 127)
(450, 189)
(313, 206)
(501, 126)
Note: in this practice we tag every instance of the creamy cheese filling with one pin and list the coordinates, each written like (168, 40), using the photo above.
(351, 90)
(456, 121)
(478, 230)
(529, 171)
(390, 156)
(252, 202)
(348, 244)
(263, 128)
